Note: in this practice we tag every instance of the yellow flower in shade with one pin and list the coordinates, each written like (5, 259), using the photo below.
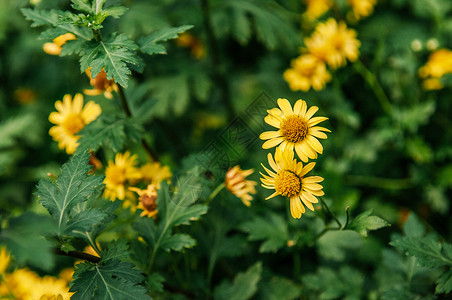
(147, 200)
(101, 85)
(118, 173)
(154, 173)
(439, 63)
(25, 95)
(296, 129)
(4, 260)
(288, 179)
(333, 43)
(237, 185)
(316, 8)
(71, 117)
(193, 43)
(307, 71)
(54, 48)
(362, 8)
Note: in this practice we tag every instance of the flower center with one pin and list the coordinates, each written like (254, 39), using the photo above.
(148, 202)
(73, 123)
(116, 175)
(287, 183)
(294, 128)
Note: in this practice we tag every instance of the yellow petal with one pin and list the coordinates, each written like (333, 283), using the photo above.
(270, 120)
(307, 168)
(306, 202)
(310, 197)
(269, 135)
(300, 153)
(311, 111)
(314, 143)
(272, 163)
(312, 179)
(298, 106)
(316, 120)
(56, 118)
(272, 195)
(272, 143)
(318, 134)
(285, 106)
(77, 104)
(90, 112)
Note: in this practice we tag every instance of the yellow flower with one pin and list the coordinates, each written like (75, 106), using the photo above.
(154, 173)
(25, 95)
(296, 129)
(316, 8)
(307, 70)
(362, 8)
(101, 85)
(71, 117)
(333, 43)
(237, 185)
(118, 173)
(288, 179)
(54, 48)
(193, 43)
(439, 63)
(4, 260)
(147, 200)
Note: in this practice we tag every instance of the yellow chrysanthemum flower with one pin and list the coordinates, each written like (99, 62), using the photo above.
(362, 8)
(237, 185)
(333, 43)
(71, 117)
(55, 47)
(101, 85)
(439, 64)
(148, 200)
(118, 173)
(154, 173)
(316, 8)
(296, 129)
(307, 71)
(288, 179)
(4, 260)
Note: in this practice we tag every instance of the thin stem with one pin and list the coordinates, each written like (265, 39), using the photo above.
(331, 213)
(78, 255)
(217, 68)
(127, 111)
(347, 212)
(93, 243)
(372, 80)
(215, 192)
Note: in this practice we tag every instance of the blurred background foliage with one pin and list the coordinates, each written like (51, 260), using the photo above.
(393, 158)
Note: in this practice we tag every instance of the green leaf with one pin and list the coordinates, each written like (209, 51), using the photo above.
(170, 100)
(84, 221)
(444, 283)
(364, 222)
(109, 130)
(272, 230)
(177, 242)
(149, 44)
(243, 287)
(116, 250)
(107, 280)
(334, 245)
(115, 11)
(82, 5)
(345, 283)
(155, 282)
(413, 227)
(427, 250)
(278, 288)
(113, 55)
(42, 17)
(24, 238)
(74, 186)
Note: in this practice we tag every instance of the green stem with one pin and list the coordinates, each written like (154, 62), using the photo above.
(128, 112)
(217, 68)
(347, 212)
(215, 192)
(372, 81)
(331, 213)
(93, 243)
(78, 255)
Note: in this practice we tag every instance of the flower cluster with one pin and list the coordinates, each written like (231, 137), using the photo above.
(358, 8)
(296, 130)
(27, 285)
(237, 184)
(101, 85)
(122, 176)
(55, 47)
(330, 44)
(439, 64)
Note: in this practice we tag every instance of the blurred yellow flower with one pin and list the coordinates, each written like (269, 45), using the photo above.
(307, 71)
(237, 185)
(288, 179)
(333, 43)
(148, 200)
(4, 260)
(316, 8)
(101, 85)
(439, 64)
(71, 117)
(25, 95)
(296, 129)
(118, 173)
(154, 173)
(362, 8)
(193, 43)
(54, 48)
